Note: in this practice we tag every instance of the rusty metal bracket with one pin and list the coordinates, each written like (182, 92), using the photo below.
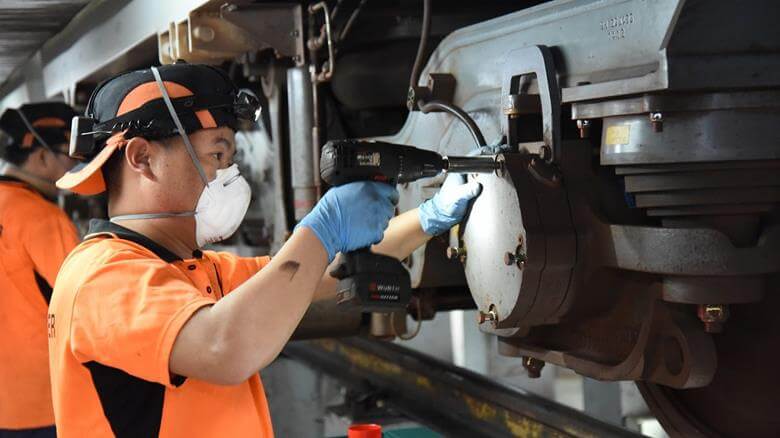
(537, 61)
(276, 25)
(665, 347)
(214, 36)
(440, 87)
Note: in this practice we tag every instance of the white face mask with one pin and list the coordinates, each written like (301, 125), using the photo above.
(220, 209)
(222, 206)
(223, 201)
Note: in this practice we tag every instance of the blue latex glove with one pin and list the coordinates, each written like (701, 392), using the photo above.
(447, 208)
(352, 216)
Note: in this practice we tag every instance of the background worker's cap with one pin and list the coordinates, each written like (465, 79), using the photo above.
(25, 127)
(131, 105)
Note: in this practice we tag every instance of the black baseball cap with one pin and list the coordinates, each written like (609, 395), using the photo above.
(27, 126)
(131, 105)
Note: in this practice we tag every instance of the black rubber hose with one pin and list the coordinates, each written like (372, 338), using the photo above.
(421, 49)
(433, 105)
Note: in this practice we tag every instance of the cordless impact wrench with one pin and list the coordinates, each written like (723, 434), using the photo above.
(376, 282)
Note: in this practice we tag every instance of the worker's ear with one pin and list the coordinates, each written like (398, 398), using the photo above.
(49, 165)
(138, 156)
(38, 157)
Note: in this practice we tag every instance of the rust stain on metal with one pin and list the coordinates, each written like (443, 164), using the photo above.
(424, 382)
(326, 344)
(480, 409)
(370, 362)
(578, 433)
(523, 427)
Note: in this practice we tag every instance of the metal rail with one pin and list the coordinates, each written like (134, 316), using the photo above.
(451, 400)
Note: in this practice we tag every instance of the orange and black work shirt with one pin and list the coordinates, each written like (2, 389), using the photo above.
(119, 302)
(35, 237)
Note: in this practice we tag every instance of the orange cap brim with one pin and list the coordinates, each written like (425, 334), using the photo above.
(86, 178)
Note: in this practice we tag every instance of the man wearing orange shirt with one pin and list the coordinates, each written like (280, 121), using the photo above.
(35, 237)
(149, 335)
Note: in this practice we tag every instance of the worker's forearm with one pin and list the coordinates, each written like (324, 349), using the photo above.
(326, 290)
(402, 236)
(247, 329)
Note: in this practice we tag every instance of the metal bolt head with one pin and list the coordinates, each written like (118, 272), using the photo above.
(518, 257)
(509, 259)
(500, 165)
(490, 315)
(204, 33)
(584, 127)
(533, 366)
(657, 120)
(455, 252)
(411, 98)
(295, 33)
(511, 105)
(713, 316)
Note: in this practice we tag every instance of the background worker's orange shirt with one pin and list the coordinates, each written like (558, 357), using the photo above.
(119, 302)
(35, 237)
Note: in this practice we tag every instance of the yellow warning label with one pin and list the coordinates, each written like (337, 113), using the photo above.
(618, 134)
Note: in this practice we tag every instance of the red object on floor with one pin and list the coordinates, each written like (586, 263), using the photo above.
(365, 431)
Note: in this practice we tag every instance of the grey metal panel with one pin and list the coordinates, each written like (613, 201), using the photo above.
(609, 48)
(580, 34)
(102, 33)
(26, 24)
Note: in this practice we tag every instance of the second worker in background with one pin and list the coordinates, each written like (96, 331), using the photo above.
(35, 238)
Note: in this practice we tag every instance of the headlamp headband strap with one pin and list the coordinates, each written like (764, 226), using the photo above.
(151, 110)
(179, 126)
(32, 130)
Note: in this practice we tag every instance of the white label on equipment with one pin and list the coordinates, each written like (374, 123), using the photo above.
(369, 159)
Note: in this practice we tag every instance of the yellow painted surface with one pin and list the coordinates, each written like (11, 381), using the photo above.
(618, 134)
(424, 382)
(578, 433)
(480, 409)
(327, 344)
(522, 427)
(370, 362)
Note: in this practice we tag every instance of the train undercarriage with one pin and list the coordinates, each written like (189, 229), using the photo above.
(633, 230)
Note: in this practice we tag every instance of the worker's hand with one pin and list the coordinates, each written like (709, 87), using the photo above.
(447, 208)
(352, 216)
